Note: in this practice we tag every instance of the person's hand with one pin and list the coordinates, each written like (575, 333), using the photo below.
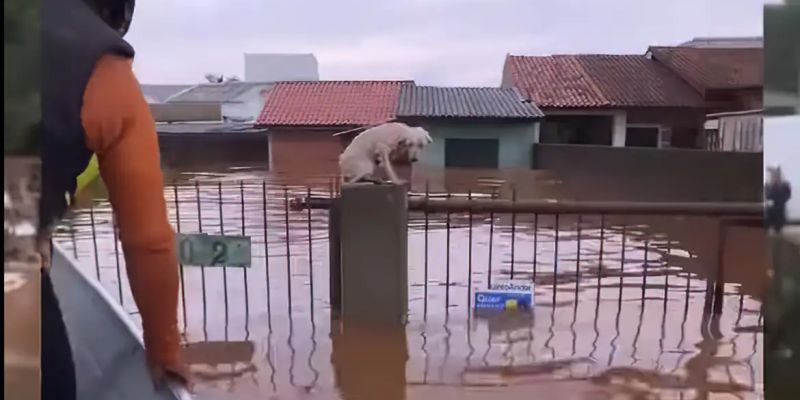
(44, 249)
(161, 375)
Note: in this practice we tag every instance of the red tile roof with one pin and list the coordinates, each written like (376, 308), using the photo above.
(593, 81)
(714, 68)
(331, 103)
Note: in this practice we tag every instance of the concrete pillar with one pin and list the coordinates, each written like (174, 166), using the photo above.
(374, 253)
(618, 129)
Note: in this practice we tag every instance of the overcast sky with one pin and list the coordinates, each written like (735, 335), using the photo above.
(439, 42)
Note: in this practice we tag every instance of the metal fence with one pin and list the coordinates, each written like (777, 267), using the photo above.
(602, 278)
(458, 242)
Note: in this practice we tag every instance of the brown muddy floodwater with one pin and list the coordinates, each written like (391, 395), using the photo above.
(620, 312)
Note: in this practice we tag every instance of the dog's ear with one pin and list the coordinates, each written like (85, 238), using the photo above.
(404, 142)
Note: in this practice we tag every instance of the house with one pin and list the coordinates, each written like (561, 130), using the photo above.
(616, 100)
(472, 127)
(160, 93)
(240, 101)
(194, 135)
(729, 79)
(212, 144)
(302, 118)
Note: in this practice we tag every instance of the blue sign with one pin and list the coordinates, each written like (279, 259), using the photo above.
(505, 297)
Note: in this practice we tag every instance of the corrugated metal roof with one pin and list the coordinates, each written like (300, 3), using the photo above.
(464, 102)
(714, 68)
(594, 80)
(216, 92)
(331, 103)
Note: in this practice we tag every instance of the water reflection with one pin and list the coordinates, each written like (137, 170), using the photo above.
(220, 360)
(369, 361)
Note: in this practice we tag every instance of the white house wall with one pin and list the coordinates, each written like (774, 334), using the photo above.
(515, 141)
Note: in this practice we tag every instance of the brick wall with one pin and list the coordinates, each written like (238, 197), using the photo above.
(305, 151)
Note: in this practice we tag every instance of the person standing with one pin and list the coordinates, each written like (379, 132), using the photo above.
(778, 193)
(92, 104)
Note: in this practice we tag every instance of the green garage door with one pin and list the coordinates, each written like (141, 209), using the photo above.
(471, 153)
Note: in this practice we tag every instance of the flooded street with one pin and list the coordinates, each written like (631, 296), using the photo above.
(622, 308)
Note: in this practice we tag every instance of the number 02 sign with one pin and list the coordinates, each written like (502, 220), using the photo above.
(214, 250)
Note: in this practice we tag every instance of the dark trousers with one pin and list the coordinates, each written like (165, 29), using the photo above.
(776, 217)
(58, 368)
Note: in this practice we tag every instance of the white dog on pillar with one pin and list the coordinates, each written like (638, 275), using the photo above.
(380, 146)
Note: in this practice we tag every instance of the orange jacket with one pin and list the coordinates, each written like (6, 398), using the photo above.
(121, 131)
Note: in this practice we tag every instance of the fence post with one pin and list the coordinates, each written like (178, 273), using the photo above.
(374, 253)
(335, 252)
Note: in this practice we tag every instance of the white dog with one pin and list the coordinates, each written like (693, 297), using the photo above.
(381, 145)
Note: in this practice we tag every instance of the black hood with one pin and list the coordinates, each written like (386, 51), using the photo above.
(74, 38)
(117, 14)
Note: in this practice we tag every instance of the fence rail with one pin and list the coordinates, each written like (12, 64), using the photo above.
(451, 204)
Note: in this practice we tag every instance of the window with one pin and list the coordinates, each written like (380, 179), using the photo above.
(471, 153)
(644, 136)
(577, 129)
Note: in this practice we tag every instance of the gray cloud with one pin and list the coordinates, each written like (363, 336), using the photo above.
(446, 42)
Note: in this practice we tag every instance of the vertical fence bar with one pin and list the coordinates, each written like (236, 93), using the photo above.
(578, 258)
(491, 245)
(224, 267)
(622, 261)
(202, 267)
(513, 227)
(94, 241)
(646, 261)
(119, 273)
(72, 230)
(447, 262)
(719, 279)
(535, 243)
(600, 256)
(288, 247)
(266, 250)
(177, 228)
(555, 260)
(244, 270)
(602, 245)
(469, 260)
(425, 283)
(666, 271)
(310, 260)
